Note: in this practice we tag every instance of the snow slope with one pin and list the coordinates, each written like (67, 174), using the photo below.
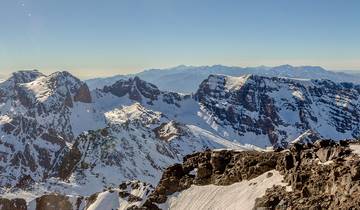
(238, 196)
(111, 199)
(355, 148)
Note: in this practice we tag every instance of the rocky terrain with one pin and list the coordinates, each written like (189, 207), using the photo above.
(323, 175)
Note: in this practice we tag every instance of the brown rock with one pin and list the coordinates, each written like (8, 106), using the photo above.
(83, 94)
(53, 202)
(204, 171)
(14, 204)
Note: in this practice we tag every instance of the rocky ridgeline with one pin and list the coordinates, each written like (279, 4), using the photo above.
(277, 109)
(322, 175)
(143, 92)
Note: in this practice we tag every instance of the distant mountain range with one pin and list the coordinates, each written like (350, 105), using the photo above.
(186, 79)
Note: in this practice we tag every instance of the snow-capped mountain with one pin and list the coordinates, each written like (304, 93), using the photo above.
(38, 118)
(280, 109)
(256, 110)
(172, 79)
(53, 128)
(58, 136)
(136, 144)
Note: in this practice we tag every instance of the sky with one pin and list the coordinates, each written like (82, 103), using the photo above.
(99, 38)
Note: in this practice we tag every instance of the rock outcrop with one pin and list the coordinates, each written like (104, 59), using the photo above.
(324, 175)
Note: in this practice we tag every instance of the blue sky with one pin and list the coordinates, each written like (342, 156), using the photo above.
(98, 38)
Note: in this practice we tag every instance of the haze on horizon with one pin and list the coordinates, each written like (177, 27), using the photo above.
(89, 38)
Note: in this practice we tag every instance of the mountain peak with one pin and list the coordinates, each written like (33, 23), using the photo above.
(134, 112)
(25, 76)
(63, 76)
(284, 66)
(218, 81)
(135, 87)
(58, 85)
(288, 67)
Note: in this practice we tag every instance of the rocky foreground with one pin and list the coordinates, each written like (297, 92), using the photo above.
(323, 175)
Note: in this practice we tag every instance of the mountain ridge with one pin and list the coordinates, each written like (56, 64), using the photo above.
(58, 135)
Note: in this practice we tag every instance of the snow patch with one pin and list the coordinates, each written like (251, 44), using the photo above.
(355, 148)
(4, 119)
(234, 83)
(238, 196)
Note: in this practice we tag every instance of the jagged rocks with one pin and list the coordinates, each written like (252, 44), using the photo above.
(325, 177)
(355, 170)
(288, 161)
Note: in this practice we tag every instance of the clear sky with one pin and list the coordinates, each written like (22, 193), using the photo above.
(104, 37)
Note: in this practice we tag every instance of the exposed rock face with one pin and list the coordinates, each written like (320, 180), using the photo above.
(83, 94)
(281, 109)
(142, 92)
(68, 163)
(53, 202)
(135, 87)
(170, 130)
(14, 204)
(318, 185)
(315, 184)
